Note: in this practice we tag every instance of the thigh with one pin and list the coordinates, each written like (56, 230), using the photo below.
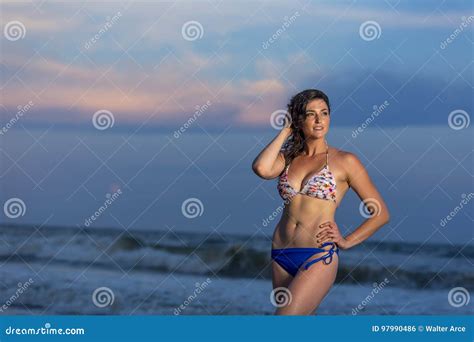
(309, 287)
(280, 277)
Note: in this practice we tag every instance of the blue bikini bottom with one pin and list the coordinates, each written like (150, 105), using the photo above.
(292, 259)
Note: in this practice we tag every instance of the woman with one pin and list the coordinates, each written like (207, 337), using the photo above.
(306, 240)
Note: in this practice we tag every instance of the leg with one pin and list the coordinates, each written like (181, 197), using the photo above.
(280, 277)
(281, 280)
(309, 287)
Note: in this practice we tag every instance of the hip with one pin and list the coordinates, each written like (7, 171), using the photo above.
(291, 232)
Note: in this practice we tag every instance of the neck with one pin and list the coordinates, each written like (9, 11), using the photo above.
(316, 146)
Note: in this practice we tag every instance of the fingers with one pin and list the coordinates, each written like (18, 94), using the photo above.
(325, 224)
(329, 225)
(324, 240)
(328, 232)
(324, 230)
(325, 237)
(329, 235)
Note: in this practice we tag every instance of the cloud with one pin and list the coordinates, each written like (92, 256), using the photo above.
(389, 17)
(167, 76)
(39, 21)
(169, 91)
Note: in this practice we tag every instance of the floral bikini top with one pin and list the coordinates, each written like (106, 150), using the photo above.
(321, 185)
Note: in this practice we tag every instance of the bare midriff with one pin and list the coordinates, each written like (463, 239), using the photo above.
(300, 220)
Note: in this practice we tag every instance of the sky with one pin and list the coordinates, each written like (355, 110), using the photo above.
(169, 101)
(151, 64)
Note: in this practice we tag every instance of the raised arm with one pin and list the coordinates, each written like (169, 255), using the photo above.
(360, 182)
(270, 161)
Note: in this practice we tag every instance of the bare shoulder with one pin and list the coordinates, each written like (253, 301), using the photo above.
(351, 160)
(348, 161)
(342, 156)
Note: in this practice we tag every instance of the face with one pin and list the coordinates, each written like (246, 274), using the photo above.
(316, 123)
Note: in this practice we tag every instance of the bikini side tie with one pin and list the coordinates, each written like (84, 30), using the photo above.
(327, 258)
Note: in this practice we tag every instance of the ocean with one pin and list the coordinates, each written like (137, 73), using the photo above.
(146, 272)
(151, 254)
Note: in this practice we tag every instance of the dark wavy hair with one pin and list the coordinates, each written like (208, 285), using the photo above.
(297, 111)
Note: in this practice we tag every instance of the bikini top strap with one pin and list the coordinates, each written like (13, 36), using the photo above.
(327, 153)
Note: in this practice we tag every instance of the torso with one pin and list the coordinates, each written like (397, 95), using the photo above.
(305, 211)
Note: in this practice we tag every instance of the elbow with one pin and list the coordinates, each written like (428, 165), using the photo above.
(385, 216)
(257, 169)
(260, 171)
